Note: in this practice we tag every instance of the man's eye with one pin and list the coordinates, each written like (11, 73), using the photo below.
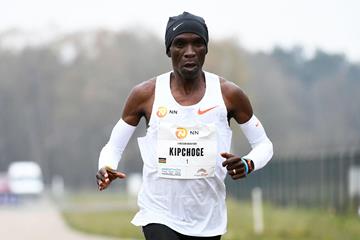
(199, 43)
(179, 44)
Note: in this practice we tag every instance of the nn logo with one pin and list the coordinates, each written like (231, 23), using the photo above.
(173, 111)
(194, 132)
(161, 112)
(181, 132)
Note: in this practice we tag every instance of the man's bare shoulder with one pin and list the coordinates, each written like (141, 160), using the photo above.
(230, 89)
(144, 89)
(139, 102)
(236, 101)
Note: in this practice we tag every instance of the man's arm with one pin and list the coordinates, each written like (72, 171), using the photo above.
(237, 103)
(137, 105)
(239, 108)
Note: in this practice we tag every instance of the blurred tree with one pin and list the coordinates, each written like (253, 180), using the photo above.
(59, 102)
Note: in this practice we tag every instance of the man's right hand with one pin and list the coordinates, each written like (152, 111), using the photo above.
(106, 175)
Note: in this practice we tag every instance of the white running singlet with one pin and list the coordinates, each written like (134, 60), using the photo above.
(183, 177)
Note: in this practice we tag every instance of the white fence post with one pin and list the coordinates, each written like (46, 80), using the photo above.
(257, 210)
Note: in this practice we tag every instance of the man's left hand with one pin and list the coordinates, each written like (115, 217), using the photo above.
(235, 166)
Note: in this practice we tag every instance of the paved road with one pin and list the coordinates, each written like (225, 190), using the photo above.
(37, 220)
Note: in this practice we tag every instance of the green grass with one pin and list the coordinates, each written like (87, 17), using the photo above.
(114, 223)
(280, 223)
(291, 223)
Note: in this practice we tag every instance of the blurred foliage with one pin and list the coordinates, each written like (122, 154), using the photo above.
(59, 101)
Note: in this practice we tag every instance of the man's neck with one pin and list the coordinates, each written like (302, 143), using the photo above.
(187, 85)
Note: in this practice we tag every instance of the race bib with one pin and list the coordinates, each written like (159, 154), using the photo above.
(186, 152)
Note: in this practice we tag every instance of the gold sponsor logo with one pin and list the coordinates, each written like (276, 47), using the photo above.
(161, 112)
(181, 133)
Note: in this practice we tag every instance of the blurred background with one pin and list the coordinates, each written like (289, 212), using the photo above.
(66, 68)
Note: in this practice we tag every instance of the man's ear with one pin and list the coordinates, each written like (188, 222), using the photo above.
(168, 53)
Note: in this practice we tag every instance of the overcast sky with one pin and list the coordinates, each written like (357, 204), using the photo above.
(332, 25)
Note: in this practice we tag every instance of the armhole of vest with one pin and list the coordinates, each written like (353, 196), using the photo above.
(216, 83)
(220, 93)
(155, 100)
(221, 99)
(158, 87)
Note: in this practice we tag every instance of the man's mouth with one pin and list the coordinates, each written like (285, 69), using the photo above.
(190, 65)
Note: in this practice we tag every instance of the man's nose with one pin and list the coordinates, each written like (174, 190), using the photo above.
(189, 51)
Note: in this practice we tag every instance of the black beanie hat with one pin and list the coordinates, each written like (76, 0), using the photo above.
(185, 23)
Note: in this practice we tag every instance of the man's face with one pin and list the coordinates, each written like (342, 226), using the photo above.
(187, 52)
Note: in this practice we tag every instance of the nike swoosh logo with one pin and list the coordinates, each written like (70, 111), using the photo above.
(201, 112)
(174, 28)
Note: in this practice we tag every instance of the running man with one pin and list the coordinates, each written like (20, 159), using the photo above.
(186, 148)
